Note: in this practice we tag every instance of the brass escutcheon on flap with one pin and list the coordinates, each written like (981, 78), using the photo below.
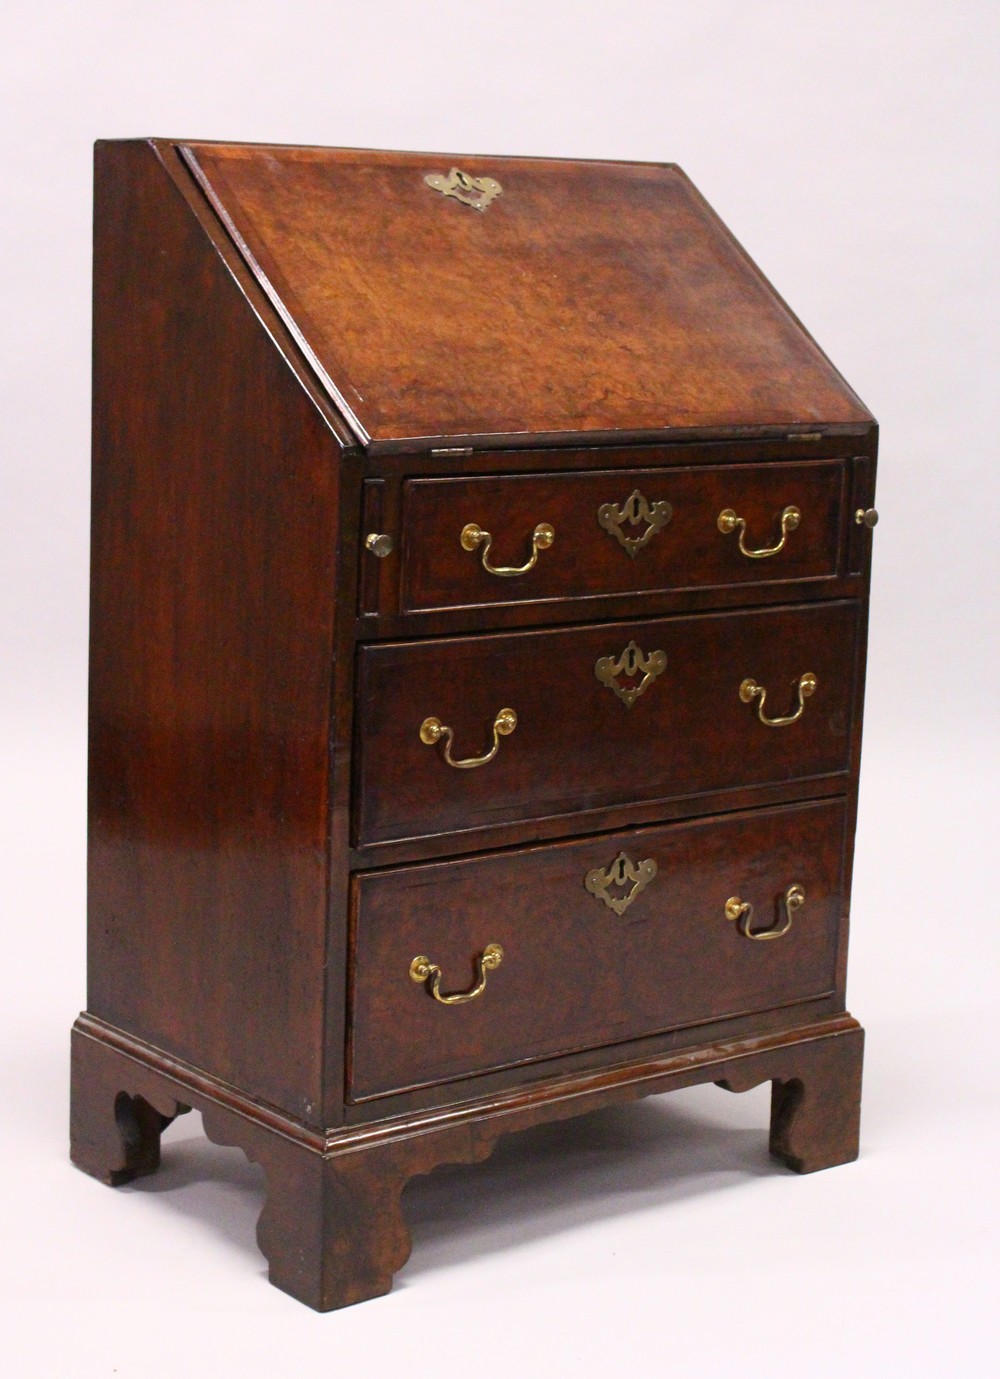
(631, 663)
(635, 510)
(476, 192)
(621, 873)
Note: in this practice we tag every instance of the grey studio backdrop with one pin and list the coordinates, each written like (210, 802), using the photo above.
(853, 149)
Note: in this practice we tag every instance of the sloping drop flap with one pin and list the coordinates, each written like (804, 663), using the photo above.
(522, 297)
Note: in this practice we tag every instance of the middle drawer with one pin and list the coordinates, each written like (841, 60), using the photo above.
(474, 732)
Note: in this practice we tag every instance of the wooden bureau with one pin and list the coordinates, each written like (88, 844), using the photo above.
(479, 601)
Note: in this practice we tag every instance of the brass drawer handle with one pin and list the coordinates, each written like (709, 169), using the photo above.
(750, 690)
(793, 899)
(473, 537)
(729, 522)
(432, 730)
(423, 970)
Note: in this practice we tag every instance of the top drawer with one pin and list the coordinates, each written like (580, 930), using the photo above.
(507, 539)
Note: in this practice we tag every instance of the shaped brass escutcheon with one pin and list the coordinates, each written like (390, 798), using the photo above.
(621, 873)
(632, 662)
(635, 510)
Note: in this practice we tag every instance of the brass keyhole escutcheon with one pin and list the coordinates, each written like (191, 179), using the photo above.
(629, 879)
(635, 512)
(476, 192)
(630, 665)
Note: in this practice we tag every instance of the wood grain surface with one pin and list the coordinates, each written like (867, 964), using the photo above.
(587, 558)
(215, 514)
(577, 746)
(595, 297)
(332, 1227)
(574, 973)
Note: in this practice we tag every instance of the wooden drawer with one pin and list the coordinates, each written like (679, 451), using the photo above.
(578, 744)
(617, 532)
(575, 973)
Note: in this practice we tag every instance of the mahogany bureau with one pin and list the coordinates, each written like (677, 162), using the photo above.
(479, 603)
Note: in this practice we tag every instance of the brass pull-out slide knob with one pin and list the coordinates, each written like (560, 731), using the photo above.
(379, 544)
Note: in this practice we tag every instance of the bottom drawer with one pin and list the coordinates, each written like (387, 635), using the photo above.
(603, 940)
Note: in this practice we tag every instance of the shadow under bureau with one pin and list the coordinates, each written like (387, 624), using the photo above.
(478, 610)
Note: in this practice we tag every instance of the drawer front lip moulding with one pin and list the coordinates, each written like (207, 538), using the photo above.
(465, 753)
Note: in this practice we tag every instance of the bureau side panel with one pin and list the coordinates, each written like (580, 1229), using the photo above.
(215, 495)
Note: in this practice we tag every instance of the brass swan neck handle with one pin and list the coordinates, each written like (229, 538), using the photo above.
(432, 731)
(750, 690)
(729, 522)
(423, 970)
(473, 536)
(793, 899)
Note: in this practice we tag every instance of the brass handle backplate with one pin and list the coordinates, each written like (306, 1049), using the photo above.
(793, 899)
(805, 685)
(473, 537)
(729, 522)
(423, 970)
(432, 730)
